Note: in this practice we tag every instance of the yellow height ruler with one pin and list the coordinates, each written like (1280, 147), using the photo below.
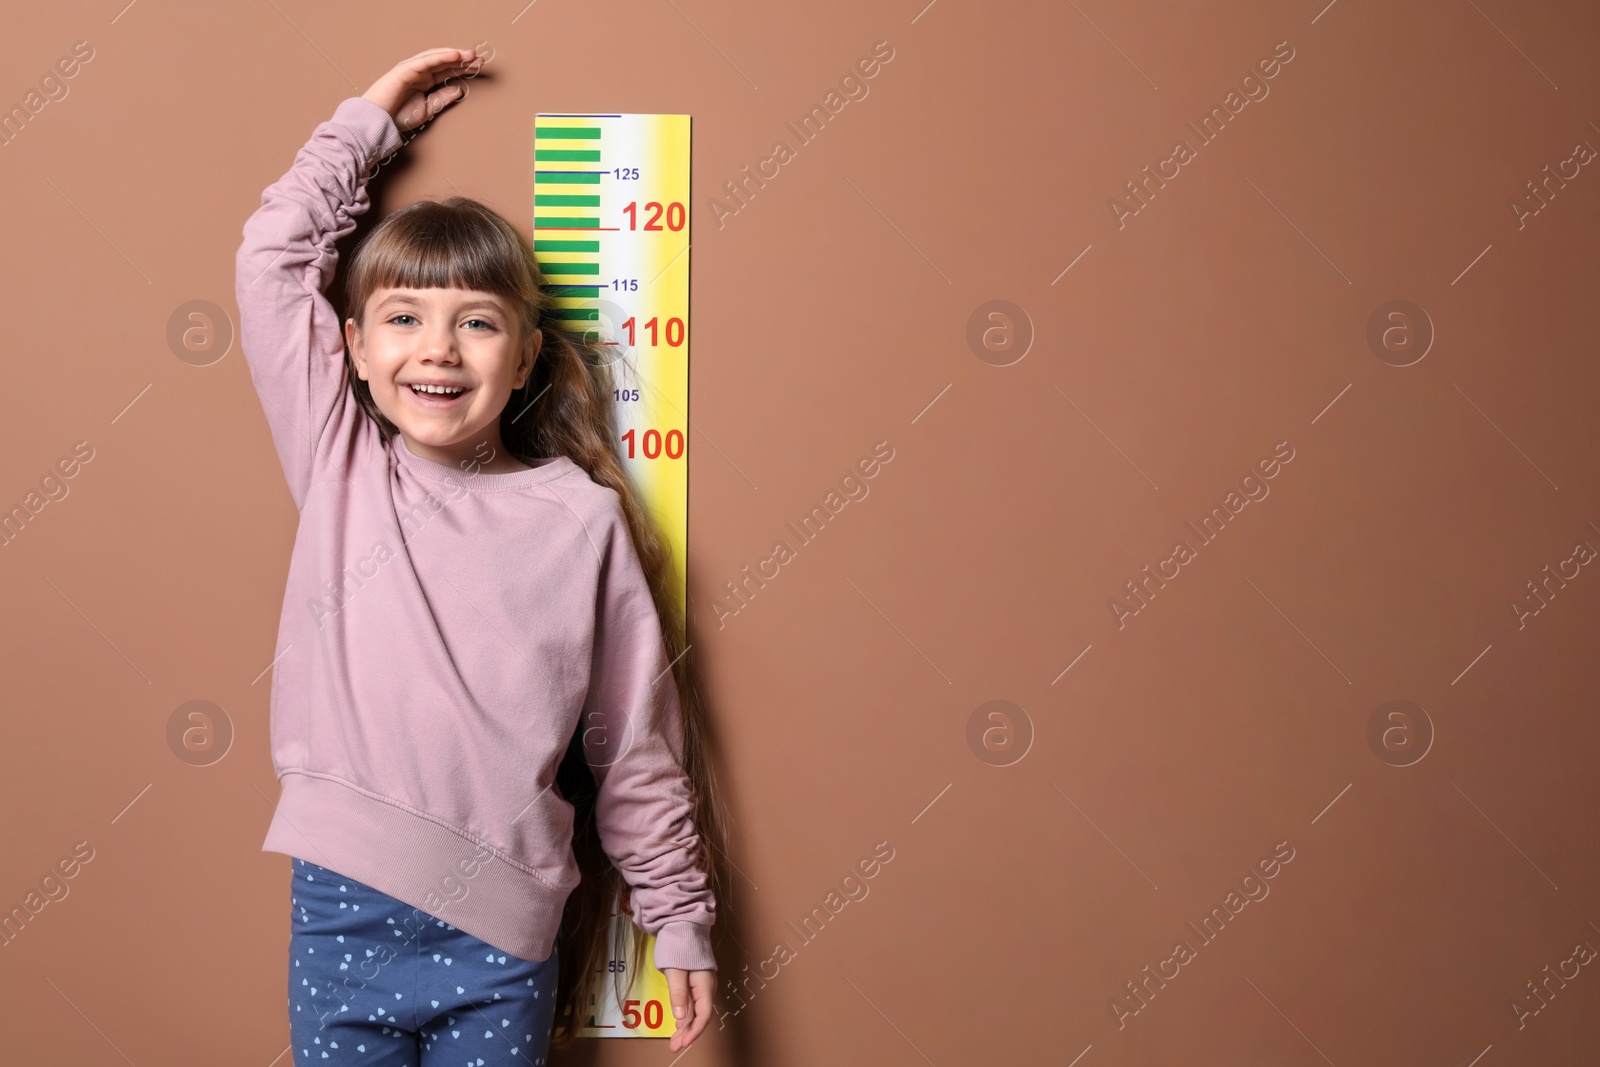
(611, 233)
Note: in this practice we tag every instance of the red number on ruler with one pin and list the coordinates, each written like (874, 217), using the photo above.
(674, 211)
(675, 328)
(652, 1015)
(652, 441)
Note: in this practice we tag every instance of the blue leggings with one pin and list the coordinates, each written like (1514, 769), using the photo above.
(376, 982)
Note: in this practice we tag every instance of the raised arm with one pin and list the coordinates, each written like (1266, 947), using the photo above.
(632, 735)
(291, 336)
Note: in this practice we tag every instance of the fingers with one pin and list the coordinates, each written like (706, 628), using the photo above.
(682, 1007)
(678, 993)
(435, 57)
(439, 59)
(411, 91)
(440, 97)
(425, 69)
(702, 1008)
(691, 1004)
(430, 105)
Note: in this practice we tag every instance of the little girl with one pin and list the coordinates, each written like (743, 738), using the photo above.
(472, 657)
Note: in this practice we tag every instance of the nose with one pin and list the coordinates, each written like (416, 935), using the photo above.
(439, 343)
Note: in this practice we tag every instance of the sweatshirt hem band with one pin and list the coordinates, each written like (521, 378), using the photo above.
(416, 861)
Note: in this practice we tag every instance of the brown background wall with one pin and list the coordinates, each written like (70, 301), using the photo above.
(1233, 713)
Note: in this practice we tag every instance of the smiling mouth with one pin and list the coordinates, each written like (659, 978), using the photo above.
(436, 400)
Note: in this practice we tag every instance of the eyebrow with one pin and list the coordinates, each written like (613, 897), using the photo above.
(406, 298)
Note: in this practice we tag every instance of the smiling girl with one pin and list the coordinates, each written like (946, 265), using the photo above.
(497, 736)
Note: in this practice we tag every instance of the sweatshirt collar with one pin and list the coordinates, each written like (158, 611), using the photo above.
(543, 470)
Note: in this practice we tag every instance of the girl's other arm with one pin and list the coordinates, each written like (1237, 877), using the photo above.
(633, 740)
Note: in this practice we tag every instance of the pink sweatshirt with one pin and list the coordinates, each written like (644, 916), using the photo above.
(445, 632)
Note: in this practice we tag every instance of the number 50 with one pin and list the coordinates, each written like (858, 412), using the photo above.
(652, 1014)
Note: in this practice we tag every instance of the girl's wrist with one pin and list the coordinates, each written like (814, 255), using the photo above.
(379, 103)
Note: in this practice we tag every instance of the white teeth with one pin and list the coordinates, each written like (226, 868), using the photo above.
(444, 389)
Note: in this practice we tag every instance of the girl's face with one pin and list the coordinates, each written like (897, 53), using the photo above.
(461, 339)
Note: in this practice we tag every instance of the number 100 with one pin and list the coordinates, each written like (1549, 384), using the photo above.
(651, 444)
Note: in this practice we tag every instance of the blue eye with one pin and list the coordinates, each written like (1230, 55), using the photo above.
(407, 315)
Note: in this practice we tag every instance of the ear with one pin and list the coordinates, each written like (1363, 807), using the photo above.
(358, 350)
(530, 352)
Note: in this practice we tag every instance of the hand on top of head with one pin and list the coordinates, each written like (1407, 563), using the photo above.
(407, 92)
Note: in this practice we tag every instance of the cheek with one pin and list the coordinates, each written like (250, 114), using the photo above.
(499, 366)
(383, 361)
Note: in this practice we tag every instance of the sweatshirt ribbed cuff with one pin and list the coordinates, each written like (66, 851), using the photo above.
(686, 945)
(375, 127)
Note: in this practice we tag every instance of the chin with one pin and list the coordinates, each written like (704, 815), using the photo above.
(434, 439)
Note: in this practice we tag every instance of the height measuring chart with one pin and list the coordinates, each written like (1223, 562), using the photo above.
(611, 233)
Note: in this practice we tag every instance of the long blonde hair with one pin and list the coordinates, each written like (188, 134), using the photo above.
(462, 243)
